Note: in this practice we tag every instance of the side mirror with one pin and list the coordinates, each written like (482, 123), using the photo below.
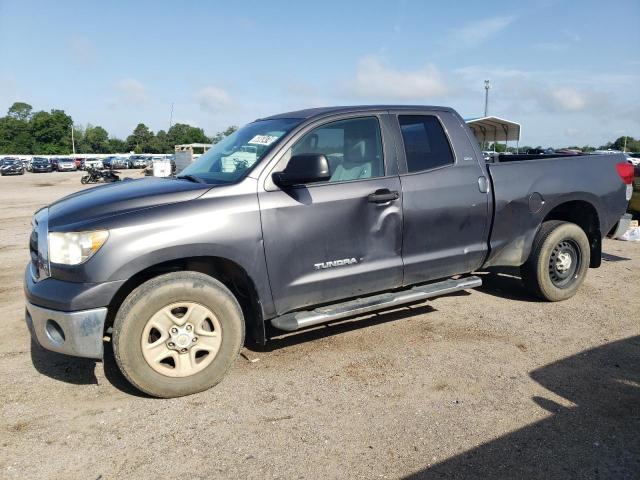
(306, 168)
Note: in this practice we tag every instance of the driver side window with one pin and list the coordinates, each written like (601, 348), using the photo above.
(353, 148)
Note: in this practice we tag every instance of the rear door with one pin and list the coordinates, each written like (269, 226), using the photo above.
(445, 202)
(341, 238)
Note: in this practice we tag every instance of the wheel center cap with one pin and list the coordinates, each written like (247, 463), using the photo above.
(564, 262)
(182, 338)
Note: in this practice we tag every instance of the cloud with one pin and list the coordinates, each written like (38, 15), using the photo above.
(82, 49)
(569, 99)
(373, 79)
(132, 91)
(568, 40)
(475, 33)
(213, 98)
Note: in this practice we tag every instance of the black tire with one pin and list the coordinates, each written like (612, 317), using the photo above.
(150, 297)
(84, 179)
(542, 274)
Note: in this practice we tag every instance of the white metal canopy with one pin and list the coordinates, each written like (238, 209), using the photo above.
(494, 129)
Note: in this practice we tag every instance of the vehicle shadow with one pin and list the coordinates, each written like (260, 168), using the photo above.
(279, 339)
(80, 371)
(504, 282)
(597, 438)
(74, 370)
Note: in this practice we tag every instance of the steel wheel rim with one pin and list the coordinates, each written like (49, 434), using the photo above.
(564, 263)
(181, 339)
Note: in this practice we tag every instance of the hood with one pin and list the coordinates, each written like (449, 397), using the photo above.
(121, 197)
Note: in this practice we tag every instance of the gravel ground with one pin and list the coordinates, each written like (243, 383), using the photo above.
(484, 384)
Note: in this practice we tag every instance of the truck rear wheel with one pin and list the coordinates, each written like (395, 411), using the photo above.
(558, 262)
(178, 334)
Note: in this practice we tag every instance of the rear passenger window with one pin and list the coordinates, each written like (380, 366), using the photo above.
(425, 143)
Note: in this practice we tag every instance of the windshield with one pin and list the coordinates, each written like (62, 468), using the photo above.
(232, 157)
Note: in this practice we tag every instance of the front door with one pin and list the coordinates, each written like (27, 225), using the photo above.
(341, 238)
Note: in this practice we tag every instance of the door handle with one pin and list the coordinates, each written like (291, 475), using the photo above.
(483, 184)
(383, 195)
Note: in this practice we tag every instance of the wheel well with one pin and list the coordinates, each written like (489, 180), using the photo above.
(232, 275)
(585, 216)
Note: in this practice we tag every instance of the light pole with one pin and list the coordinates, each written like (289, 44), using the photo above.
(487, 86)
(73, 142)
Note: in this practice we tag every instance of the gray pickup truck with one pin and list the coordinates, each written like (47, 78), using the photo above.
(300, 219)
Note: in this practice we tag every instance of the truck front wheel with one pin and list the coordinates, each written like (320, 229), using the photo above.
(558, 262)
(177, 334)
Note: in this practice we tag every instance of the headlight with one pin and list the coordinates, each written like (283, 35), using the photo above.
(73, 248)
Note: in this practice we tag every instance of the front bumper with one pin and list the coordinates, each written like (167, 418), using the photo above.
(72, 333)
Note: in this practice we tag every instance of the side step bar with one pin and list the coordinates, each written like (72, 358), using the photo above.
(290, 322)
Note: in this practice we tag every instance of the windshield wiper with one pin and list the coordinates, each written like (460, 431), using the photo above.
(191, 178)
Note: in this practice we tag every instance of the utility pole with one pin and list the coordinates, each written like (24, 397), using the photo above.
(487, 86)
(171, 117)
(73, 142)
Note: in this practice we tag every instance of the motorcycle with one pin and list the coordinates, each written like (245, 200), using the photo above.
(94, 176)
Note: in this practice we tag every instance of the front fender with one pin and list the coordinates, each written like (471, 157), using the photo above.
(225, 224)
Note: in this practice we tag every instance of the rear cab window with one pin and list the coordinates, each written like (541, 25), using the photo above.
(425, 143)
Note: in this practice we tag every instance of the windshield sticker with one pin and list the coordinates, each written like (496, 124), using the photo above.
(263, 140)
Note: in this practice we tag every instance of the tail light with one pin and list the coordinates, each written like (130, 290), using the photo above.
(625, 170)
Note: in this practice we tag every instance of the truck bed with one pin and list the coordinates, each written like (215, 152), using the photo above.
(527, 188)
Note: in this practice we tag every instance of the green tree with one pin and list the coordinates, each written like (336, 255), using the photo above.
(499, 147)
(15, 136)
(79, 139)
(51, 132)
(97, 139)
(225, 133)
(161, 143)
(20, 111)
(628, 143)
(181, 133)
(115, 145)
(141, 140)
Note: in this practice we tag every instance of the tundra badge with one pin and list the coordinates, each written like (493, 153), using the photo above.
(334, 263)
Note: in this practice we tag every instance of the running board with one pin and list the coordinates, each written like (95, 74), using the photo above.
(290, 322)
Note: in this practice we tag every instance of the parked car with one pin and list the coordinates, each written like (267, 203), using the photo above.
(540, 151)
(633, 159)
(91, 163)
(336, 213)
(41, 164)
(116, 162)
(10, 166)
(66, 165)
(138, 161)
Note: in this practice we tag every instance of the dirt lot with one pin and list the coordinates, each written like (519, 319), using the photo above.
(481, 385)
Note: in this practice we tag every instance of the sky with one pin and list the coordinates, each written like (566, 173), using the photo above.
(568, 71)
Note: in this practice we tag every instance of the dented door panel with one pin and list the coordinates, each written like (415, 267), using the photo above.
(328, 242)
